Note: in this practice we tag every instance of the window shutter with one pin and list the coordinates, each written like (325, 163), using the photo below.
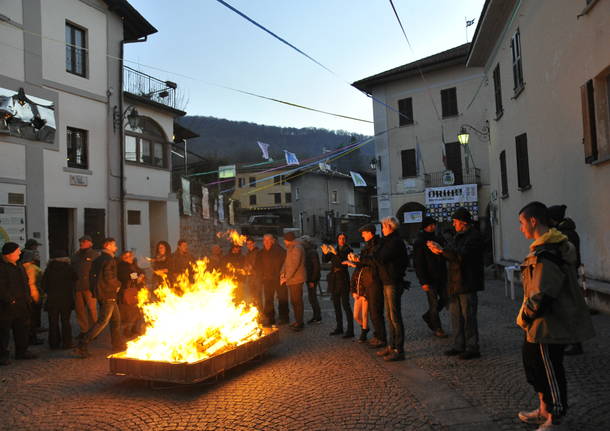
(523, 170)
(405, 108)
(589, 130)
(409, 163)
(503, 174)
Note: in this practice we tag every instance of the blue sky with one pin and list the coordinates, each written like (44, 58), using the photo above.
(207, 42)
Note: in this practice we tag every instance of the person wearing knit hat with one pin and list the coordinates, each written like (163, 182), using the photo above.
(14, 304)
(466, 277)
(431, 271)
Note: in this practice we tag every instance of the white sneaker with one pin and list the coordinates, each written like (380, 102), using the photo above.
(534, 417)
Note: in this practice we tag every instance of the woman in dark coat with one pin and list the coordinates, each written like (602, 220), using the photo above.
(161, 263)
(338, 283)
(58, 282)
(132, 280)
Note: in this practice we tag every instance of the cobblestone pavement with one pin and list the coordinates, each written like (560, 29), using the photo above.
(313, 381)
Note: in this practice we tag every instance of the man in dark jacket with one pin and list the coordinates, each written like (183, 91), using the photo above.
(182, 261)
(366, 280)
(15, 301)
(393, 259)
(85, 303)
(312, 268)
(105, 281)
(466, 278)
(431, 271)
(254, 290)
(58, 283)
(269, 261)
(338, 284)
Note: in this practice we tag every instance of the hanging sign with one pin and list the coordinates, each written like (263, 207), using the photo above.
(413, 217)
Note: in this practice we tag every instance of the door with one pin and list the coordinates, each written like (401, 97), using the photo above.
(61, 231)
(454, 160)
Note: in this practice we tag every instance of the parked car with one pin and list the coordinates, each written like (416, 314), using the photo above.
(258, 225)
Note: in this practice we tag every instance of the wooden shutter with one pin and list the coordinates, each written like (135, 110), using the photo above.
(409, 163)
(589, 129)
(449, 102)
(405, 108)
(503, 174)
(523, 169)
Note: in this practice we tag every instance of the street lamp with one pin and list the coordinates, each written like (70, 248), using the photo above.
(133, 118)
(464, 136)
(375, 163)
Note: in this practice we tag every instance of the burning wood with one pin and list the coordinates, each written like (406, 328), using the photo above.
(190, 322)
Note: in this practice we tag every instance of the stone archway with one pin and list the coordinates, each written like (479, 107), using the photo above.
(409, 231)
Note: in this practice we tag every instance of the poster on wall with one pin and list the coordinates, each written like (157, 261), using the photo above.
(186, 197)
(412, 217)
(12, 224)
(27, 117)
(205, 203)
(441, 202)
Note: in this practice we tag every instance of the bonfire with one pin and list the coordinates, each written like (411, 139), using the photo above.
(191, 321)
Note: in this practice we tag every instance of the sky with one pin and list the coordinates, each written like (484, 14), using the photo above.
(202, 44)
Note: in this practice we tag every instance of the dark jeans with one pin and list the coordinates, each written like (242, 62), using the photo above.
(296, 299)
(109, 313)
(436, 301)
(56, 338)
(463, 309)
(543, 365)
(270, 289)
(312, 296)
(21, 330)
(35, 318)
(392, 295)
(375, 298)
(340, 298)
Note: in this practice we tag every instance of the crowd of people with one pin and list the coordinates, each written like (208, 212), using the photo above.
(103, 291)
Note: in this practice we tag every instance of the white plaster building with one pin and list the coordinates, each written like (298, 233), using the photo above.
(548, 68)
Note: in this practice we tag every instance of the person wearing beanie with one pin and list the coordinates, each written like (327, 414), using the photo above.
(431, 271)
(466, 277)
(15, 304)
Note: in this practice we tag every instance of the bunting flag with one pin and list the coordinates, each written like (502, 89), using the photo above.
(418, 158)
(291, 158)
(357, 179)
(443, 147)
(469, 22)
(221, 208)
(205, 203)
(265, 149)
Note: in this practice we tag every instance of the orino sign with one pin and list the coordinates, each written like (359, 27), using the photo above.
(441, 202)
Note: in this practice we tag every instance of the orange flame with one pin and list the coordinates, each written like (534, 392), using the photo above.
(193, 321)
(233, 236)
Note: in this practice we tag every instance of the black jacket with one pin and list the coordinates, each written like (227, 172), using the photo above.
(430, 268)
(15, 296)
(180, 263)
(269, 263)
(104, 277)
(366, 276)
(81, 262)
(568, 228)
(338, 277)
(393, 259)
(466, 268)
(58, 282)
(312, 264)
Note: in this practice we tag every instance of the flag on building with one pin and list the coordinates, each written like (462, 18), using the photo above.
(469, 22)
(357, 179)
(291, 158)
(265, 149)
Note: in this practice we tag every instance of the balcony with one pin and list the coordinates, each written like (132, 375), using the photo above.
(465, 176)
(149, 87)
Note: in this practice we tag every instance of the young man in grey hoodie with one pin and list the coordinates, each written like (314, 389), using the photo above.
(294, 274)
(553, 314)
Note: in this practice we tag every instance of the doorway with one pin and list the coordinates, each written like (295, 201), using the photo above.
(454, 161)
(61, 230)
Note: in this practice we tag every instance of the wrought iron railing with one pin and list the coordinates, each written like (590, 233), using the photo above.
(149, 87)
(465, 176)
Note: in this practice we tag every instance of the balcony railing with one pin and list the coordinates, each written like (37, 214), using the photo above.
(465, 176)
(149, 87)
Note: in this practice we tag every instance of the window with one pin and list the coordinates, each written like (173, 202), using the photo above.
(503, 176)
(296, 193)
(409, 163)
(252, 199)
(95, 225)
(523, 169)
(252, 181)
(595, 99)
(146, 144)
(76, 50)
(241, 182)
(334, 197)
(288, 198)
(133, 217)
(277, 198)
(498, 91)
(405, 109)
(277, 180)
(449, 102)
(76, 143)
(515, 46)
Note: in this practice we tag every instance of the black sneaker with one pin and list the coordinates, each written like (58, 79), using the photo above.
(337, 331)
(363, 336)
(376, 343)
(453, 352)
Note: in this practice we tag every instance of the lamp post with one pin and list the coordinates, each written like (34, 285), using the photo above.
(464, 137)
(130, 113)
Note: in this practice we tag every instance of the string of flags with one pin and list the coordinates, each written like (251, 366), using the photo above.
(265, 149)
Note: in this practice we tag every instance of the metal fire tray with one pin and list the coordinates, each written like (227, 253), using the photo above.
(185, 373)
